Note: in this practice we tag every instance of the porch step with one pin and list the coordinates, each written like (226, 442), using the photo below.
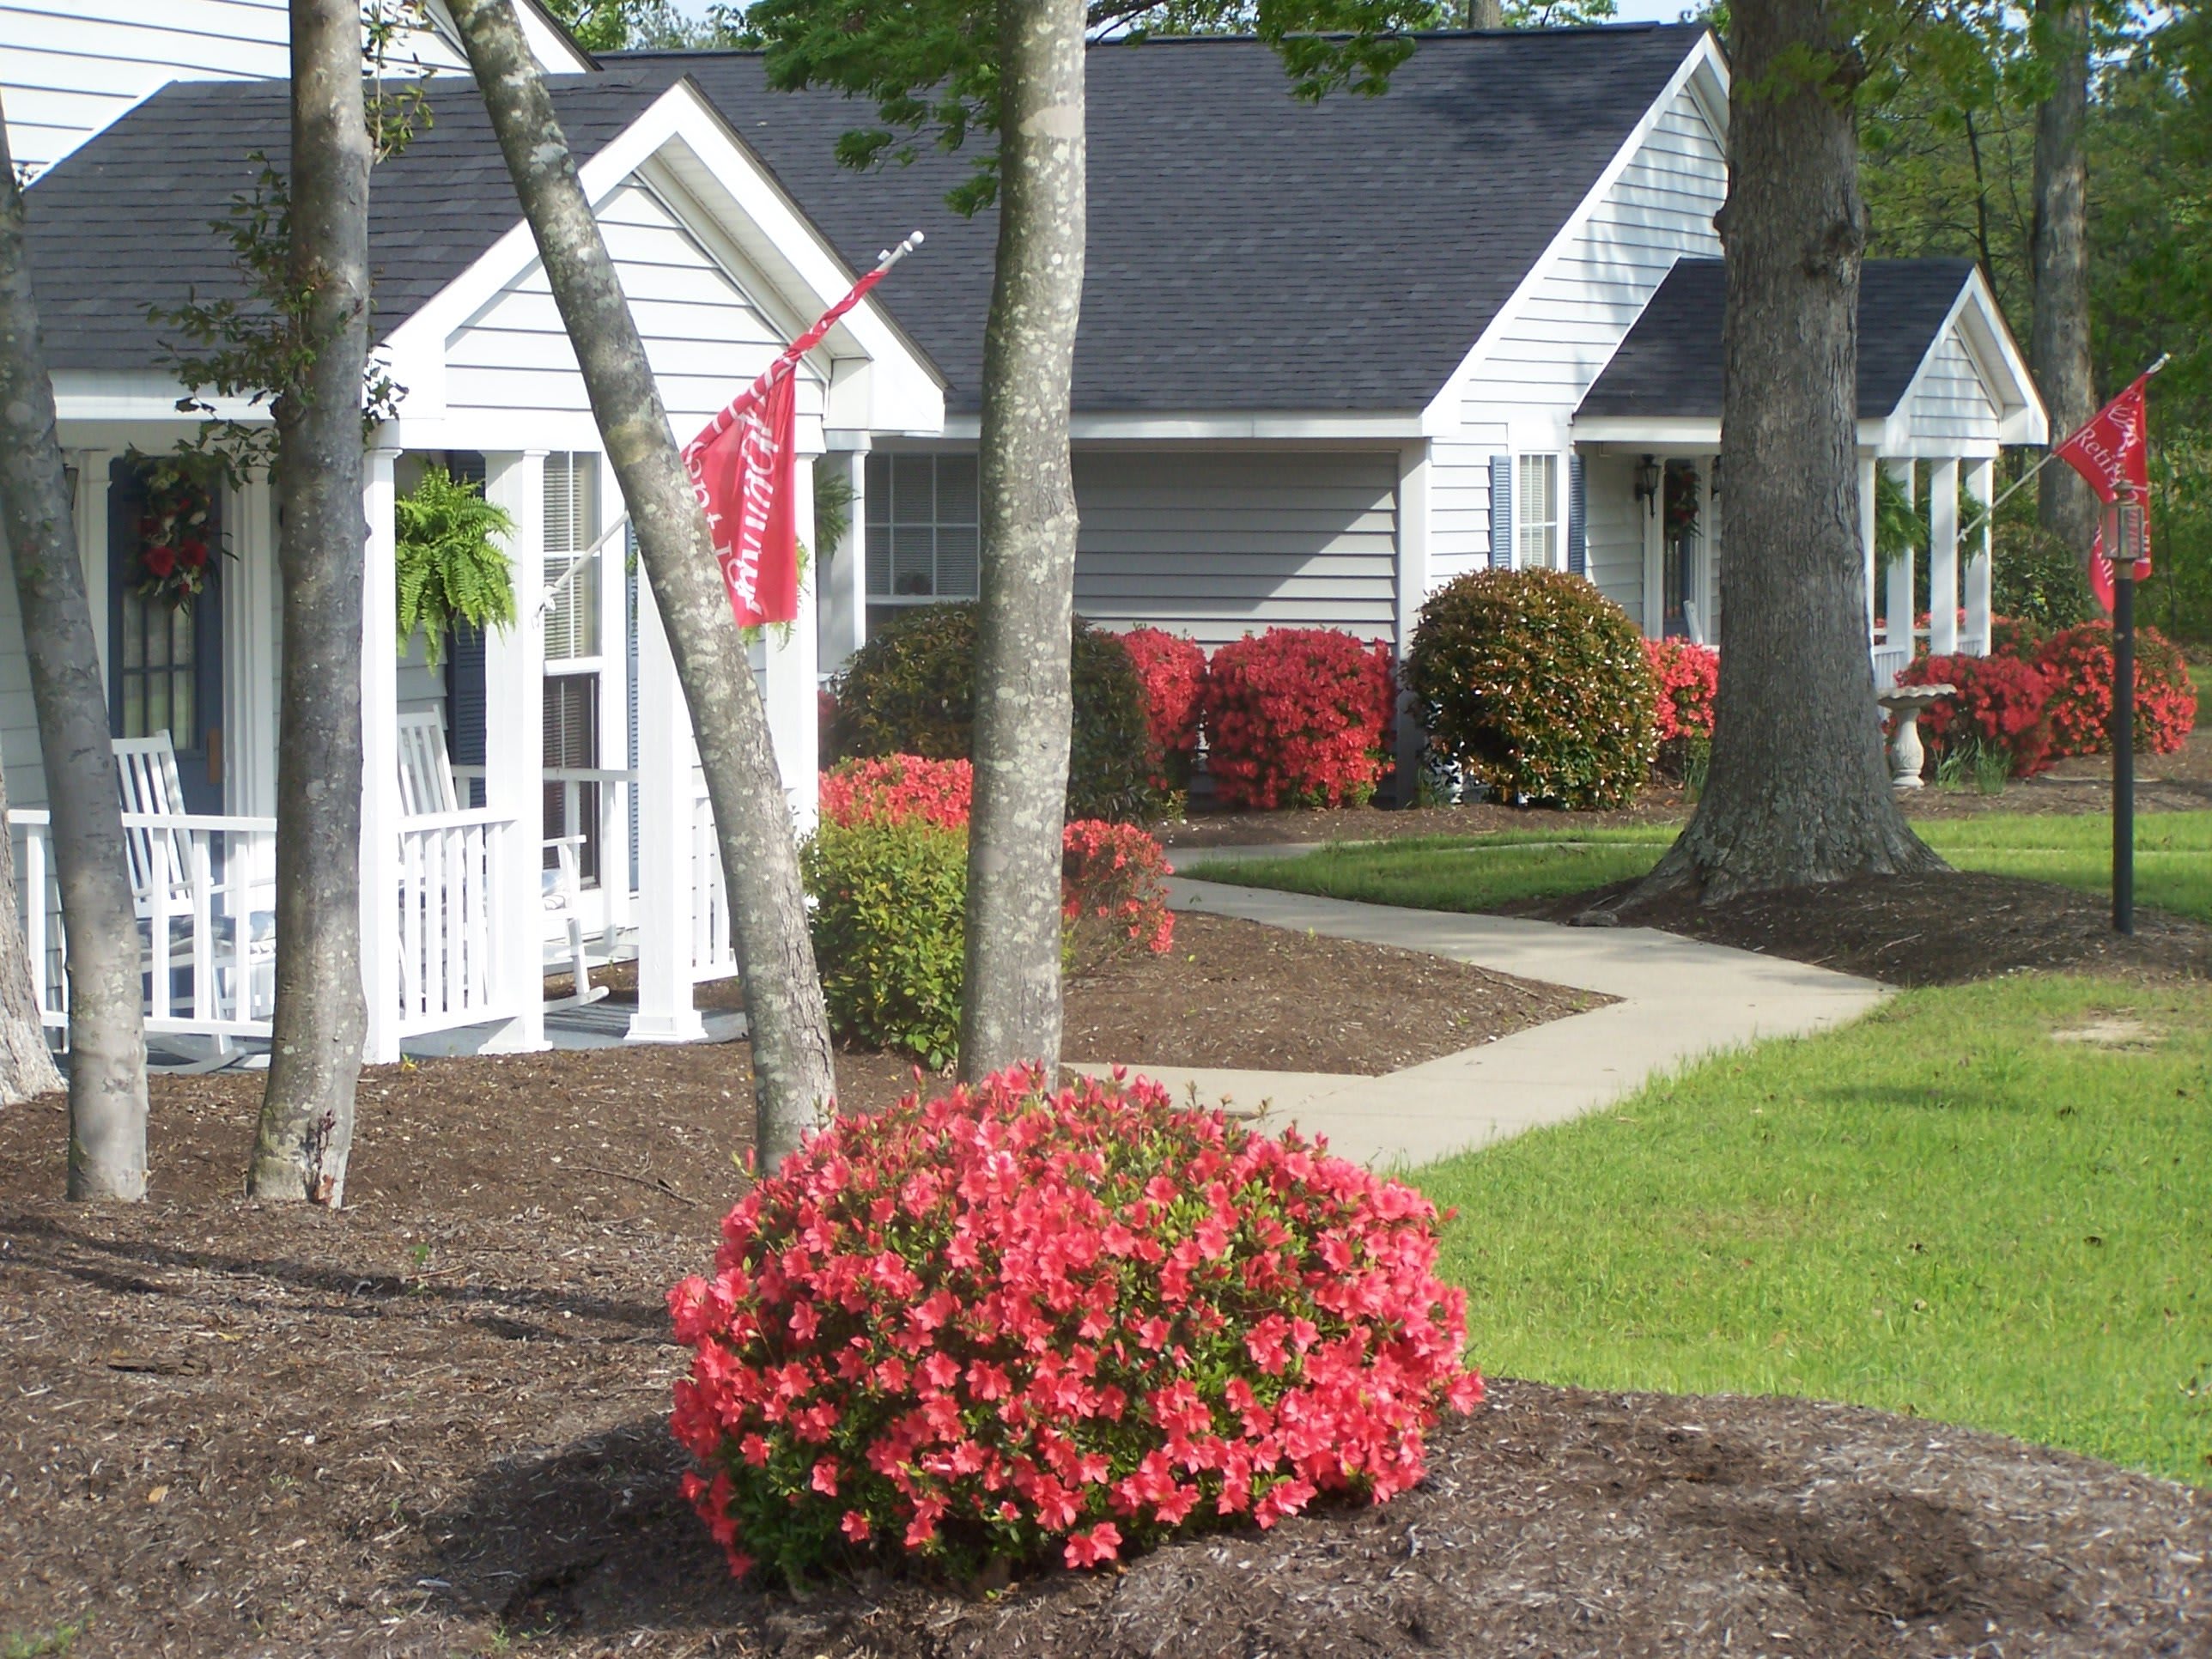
(605, 1025)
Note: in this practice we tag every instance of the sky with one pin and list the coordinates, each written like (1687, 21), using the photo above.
(1631, 11)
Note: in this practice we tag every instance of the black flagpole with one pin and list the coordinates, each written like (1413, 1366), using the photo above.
(2123, 727)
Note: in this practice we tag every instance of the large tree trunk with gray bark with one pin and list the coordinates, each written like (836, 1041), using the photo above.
(321, 1021)
(1011, 1009)
(107, 1042)
(27, 1066)
(2058, 332)
(793, 1077)
(1797, 793)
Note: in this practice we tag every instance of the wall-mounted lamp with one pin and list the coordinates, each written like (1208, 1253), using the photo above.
(1649, 475)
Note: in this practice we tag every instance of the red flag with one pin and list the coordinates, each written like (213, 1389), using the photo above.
(2113, 452)
(740, 465)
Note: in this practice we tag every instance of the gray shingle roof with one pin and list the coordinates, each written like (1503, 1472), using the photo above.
(123, 223)
(1670, 362)
(1249, 251)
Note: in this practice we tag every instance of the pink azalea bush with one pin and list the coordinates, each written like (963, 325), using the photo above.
(898, 789)
(1299, 717)
(1029, 1324)
(1114, 891)
(1688, 677)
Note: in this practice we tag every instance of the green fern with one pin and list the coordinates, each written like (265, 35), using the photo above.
(450, 568)
(1900, 528)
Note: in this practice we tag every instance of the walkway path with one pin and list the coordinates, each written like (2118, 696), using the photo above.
(1679, 999)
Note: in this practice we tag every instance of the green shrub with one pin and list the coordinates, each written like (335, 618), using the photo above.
(1538, 685)
(911, 690)
(887, 924)
(2037, 579)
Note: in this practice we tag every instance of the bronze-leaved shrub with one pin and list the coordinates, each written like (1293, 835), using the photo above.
(1538, 685)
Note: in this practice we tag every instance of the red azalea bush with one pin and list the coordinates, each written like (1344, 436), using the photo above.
(2078, 664)
(1688, 677)
(1114, 891)
(1299, 717)
(2003, 703)
(898, 788)
(1173, 670)
(1019, 1324)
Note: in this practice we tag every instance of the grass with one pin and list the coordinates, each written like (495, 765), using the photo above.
(2173, 869)
(1938, 1210)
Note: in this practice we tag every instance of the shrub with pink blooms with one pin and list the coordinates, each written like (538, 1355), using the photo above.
(1114, 893)
(1688, 677)
(898, 789)
(1299, 717)
(1173, 670)
(1056, 1326)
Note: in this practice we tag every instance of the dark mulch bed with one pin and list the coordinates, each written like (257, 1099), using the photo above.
(1940, 929)
(2180, 782)
(434, 1425)
(1240, 994)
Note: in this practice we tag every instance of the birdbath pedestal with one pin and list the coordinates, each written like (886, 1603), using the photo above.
(1905, 754)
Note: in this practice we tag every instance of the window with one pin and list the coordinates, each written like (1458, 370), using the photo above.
(921, 523)
(572, 573)
(1536, 514)
(572, 740)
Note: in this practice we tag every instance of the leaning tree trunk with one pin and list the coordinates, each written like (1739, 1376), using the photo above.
(1010, 1007)
(2059, 332)
(107, 1040)
(306, 1133)
(1797, 793)
(26, 1067)
(793, 1077)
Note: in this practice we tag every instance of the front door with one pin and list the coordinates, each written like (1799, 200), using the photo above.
(165, 642)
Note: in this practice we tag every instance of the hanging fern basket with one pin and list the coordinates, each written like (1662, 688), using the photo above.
(451, 568)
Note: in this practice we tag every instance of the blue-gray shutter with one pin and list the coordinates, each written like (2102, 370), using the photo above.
(1577, 520)
(1501, 512)
(465, 663)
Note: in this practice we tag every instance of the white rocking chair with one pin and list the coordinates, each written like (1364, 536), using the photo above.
(426, 787)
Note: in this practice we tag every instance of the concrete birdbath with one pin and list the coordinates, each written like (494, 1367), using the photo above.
(1907, 757)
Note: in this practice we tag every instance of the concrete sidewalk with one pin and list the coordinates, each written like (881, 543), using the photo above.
(1677, 1001)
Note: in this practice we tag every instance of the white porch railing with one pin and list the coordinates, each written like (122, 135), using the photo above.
(206, 901)
(448, 937)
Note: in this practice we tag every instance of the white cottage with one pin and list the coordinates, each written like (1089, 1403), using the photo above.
(1331, 356)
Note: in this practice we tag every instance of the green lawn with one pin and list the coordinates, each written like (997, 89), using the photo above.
(1938, 1210)
(2173, 861)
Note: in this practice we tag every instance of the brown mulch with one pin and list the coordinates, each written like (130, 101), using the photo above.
(2179, 782)
(1240, 994)
(435, 1424)
(1939, 929)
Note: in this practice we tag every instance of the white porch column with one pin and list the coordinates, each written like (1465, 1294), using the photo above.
(92, 484)
(844, 600)
(1981, 570)
(1413, 591)
(1898, 602)
(665, 808)
(380, 764)
(1943, 558)
(515, 749)
(1651, 514)
(794, 687)
(1869, 481)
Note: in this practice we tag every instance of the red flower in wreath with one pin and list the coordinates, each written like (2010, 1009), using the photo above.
(175, 532)
(161, 560)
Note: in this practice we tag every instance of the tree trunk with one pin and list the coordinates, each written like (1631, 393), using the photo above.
(321, 1022)
(107, 1040)
(27, 1066)
(1010, 1007)
(2059, 332)
(1797, 793)
(792, 1076)
(1485, 14)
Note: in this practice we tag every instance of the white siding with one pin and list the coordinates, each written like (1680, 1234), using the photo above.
(1215, 545)
(69, 67)
(703, 336)
(1564, 330)
(1659, 209)
(1951, 404)
(1615, 531)
(19, 725)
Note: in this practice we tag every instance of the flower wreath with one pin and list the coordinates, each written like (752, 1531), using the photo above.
(176, 531)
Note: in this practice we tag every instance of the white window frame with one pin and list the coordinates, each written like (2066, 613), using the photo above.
(1553, 522)
(880, 508)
